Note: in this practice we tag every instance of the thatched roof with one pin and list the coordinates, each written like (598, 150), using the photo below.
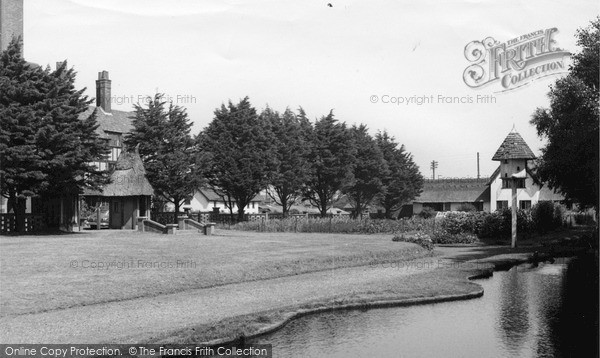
(513, 147)
(454, 191)
(129, 177)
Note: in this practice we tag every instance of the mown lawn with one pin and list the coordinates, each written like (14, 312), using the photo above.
(46, 272)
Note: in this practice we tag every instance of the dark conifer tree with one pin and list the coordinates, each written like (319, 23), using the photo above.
(167, 149)
(45, 148)
(239, 146)
(332, 159)
(403, 181)
(369, 171)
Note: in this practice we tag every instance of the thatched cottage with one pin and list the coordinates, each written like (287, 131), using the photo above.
(128, 195)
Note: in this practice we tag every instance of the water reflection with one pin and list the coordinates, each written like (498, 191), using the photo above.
(545, 311)
(513, 315)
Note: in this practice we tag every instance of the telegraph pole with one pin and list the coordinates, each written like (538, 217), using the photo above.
(434, 164)
(513, 187)
(478, 166)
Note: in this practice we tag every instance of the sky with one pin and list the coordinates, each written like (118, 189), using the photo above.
(392, 65)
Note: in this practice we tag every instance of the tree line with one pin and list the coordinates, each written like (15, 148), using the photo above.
(47, 149)
(243, 152)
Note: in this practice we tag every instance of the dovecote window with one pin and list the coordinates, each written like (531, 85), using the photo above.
(520, 183)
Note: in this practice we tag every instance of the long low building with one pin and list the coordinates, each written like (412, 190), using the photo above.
(451, 194)
(493, 193)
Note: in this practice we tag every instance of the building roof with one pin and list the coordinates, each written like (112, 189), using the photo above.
(115, 121)
(454, 191)
(129, 177)
(513, 147)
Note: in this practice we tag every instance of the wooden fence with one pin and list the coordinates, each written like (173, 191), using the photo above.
(32, 223)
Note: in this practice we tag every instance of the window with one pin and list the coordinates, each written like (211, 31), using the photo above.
(507, 185)
(114, 140)
(114, 154)
(447, 206)
(253, 205)
(501, 204)
(116, 207)
(434, 206)
(525, 204)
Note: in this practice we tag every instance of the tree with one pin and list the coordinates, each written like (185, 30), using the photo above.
(290, 153)
(46, 149)
(332, 160)
(368, 171)
(167, 150)
(403, 181)
(239, 148)
(569, 161)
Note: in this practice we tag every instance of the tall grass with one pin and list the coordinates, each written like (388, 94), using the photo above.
(338, 224)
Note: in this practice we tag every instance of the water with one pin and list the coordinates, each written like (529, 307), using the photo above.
(546, 311)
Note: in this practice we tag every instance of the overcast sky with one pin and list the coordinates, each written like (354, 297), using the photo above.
(320, 57)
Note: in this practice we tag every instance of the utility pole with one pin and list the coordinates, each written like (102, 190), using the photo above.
(513, 187)
(478, 166)
(434, 164)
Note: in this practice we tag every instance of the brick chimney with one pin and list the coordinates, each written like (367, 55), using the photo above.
(11, 21)
(103, 91)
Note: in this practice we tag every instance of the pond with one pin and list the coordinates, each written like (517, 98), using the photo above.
(548, 310)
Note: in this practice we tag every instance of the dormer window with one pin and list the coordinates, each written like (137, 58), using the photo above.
(518, 169)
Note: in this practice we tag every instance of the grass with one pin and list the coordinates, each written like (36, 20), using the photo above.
(48, 272)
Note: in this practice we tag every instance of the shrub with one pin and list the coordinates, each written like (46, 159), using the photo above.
(337, 225)
(444, 237)
(543, 216)
(456, 223)
(419, 238)
(499, 224)
(427, 212)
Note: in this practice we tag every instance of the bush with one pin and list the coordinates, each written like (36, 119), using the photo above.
(462, 222)
(444, 237)
(419, 238)
(499, 224)
(338, 224)
(544, 216)
(427, 213)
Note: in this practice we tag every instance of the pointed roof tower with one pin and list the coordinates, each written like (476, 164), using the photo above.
(513, 147)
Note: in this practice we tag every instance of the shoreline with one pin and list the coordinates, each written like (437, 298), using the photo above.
(490, 265)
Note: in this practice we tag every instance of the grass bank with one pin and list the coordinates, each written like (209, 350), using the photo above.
(50, 272)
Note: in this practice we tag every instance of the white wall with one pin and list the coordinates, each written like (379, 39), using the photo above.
(530, 192)
(199, 202)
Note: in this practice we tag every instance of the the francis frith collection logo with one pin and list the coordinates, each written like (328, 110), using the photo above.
(514, 63)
